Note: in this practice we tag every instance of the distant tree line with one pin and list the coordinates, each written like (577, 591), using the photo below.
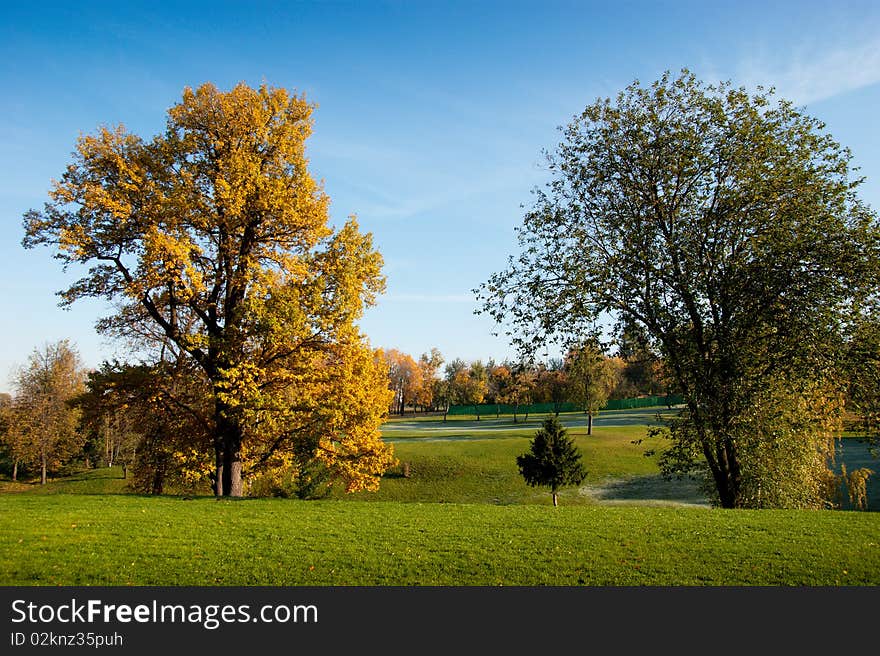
(154, 420)
(132, 416)
(586, 376)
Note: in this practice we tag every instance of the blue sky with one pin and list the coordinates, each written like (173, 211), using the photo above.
(430, 123)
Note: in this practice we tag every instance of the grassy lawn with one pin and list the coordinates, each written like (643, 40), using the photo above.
(449, 467)
(462, 517)
(467, 426)
(90, 481)
(130, 540)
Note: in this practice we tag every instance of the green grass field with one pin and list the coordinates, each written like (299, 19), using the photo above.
(463, 517)
(130, 540)
(465, 461)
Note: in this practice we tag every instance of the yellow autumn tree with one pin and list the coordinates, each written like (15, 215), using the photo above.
(216, 233)
(42, 422)
(429, 363)
(404, 379)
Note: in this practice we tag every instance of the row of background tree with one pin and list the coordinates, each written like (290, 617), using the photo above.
(585, 376)
(152, 417)
(52, 420)
(153, 420)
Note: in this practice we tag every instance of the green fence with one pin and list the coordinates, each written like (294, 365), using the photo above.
(546, 408)
(643, 402)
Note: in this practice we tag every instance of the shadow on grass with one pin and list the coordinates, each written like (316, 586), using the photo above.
(105, 473)
(648, 489)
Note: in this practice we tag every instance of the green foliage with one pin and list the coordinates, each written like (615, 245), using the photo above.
(553, 459)
(305, 477)
(308, 481)
(590, 378)
(155, 419)
(785, 446)
(725, 227)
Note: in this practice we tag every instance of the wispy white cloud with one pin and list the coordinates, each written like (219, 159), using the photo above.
(395, 173)
(811, 74)
(428, 298)
(412, 189)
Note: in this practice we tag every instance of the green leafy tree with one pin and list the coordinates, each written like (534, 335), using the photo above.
(477, 385)
(590, 377)
(723, 224)
(465, 384)
(553, 460)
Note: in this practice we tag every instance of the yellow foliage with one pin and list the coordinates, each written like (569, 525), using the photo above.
(856, 483)
(786, 445)
(192, 465)
(216, 236)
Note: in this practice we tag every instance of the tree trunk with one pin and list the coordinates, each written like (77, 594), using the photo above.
(589, 423)
(158, 481)
(108, 446)
(15, 470)
(555, 499)
(232, 484)
(724, 472)
(735, 475)
(728, 492)
(43, 477)
(726, 495)
(218, 468)
(230, 476)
